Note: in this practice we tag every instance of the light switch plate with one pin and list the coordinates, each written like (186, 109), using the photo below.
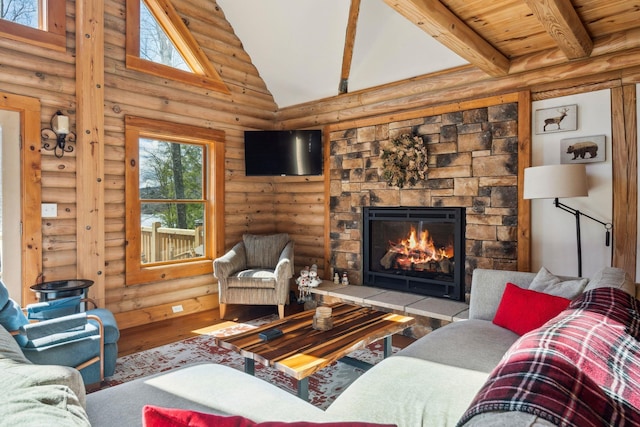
(49, 210)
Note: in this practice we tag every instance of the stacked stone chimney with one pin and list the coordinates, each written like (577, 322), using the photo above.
(473, 157)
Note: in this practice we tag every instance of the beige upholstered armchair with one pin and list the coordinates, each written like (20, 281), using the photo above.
(256, 271)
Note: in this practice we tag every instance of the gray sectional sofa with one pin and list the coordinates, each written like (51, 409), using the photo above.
(432, 382)
(38, 395)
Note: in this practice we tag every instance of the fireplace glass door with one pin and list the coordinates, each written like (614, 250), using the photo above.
(418, 250)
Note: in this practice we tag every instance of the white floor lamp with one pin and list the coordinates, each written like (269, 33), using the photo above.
(562, 181)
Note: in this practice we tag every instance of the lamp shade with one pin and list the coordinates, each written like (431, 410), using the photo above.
(551, 181)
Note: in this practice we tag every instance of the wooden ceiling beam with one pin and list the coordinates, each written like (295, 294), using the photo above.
(563, 24)
(436, 20)
(349, 41)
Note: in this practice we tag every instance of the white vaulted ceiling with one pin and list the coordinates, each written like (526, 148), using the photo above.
(297, 46)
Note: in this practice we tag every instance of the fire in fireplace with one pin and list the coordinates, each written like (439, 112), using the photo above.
(415, 249)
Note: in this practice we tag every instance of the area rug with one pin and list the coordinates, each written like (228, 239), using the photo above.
(324, 386)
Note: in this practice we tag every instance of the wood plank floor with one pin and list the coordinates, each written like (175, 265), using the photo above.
(139, 338)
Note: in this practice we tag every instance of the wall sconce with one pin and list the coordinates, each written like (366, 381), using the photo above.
(59, 131)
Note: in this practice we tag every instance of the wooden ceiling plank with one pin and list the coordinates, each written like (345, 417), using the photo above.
(436, 20)
(563, 24)
(349, 41)
(509, 25)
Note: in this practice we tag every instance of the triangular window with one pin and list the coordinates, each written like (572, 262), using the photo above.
(155, 45)
(160, 43)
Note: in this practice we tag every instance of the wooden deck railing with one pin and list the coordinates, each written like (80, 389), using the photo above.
(167, 244)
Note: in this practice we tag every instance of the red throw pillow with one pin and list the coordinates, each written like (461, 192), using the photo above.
(154, 416)
(523, 310)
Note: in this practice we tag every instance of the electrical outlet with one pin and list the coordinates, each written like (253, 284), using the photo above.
(177, 308)
(49, 210)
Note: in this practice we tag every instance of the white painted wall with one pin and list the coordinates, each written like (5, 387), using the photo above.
(10, 163)
(553, 231)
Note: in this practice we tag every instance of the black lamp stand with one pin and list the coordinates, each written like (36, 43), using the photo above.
(575, 212)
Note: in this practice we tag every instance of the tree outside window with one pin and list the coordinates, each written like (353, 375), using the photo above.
(160, 43)
(23, 12)
(172, 206)
(37, 22)
(155, 45)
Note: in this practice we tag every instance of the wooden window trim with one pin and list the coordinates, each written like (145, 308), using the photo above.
(204, 74)
(135, 127)
(52, 33)
(30, 192)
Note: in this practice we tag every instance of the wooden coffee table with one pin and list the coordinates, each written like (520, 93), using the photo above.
(301, 350)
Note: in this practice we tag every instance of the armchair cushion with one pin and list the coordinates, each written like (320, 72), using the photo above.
(258, 278)
(69, 353)
(264, 251)
(55, 308)
(58, 331)
(74, 323)
(88, 330)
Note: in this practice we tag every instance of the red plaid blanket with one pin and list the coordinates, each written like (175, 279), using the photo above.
(580, 369)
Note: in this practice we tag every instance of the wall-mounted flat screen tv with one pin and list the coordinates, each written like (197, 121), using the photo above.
(283, 152)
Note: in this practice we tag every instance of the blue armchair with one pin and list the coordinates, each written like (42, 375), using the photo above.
(71, 305)
(76, 340)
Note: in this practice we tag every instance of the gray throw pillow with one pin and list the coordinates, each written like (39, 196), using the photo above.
(612, 277)
(554, 285)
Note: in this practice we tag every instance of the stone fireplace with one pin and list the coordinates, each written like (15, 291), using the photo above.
(473, 164)
(415, 249)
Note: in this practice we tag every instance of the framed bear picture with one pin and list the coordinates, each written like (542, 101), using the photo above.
(584, 149)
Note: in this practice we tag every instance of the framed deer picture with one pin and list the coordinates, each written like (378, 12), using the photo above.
(556, 119)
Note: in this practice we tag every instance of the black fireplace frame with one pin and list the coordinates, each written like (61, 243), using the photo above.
(442, 286)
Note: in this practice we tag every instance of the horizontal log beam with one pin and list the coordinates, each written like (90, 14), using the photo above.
(563, 24)
(435, 19)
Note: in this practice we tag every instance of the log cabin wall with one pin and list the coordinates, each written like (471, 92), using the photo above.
(300, 211)
(249, 205)
(49, 76)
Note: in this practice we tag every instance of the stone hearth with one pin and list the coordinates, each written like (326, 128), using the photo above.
(473, 163)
